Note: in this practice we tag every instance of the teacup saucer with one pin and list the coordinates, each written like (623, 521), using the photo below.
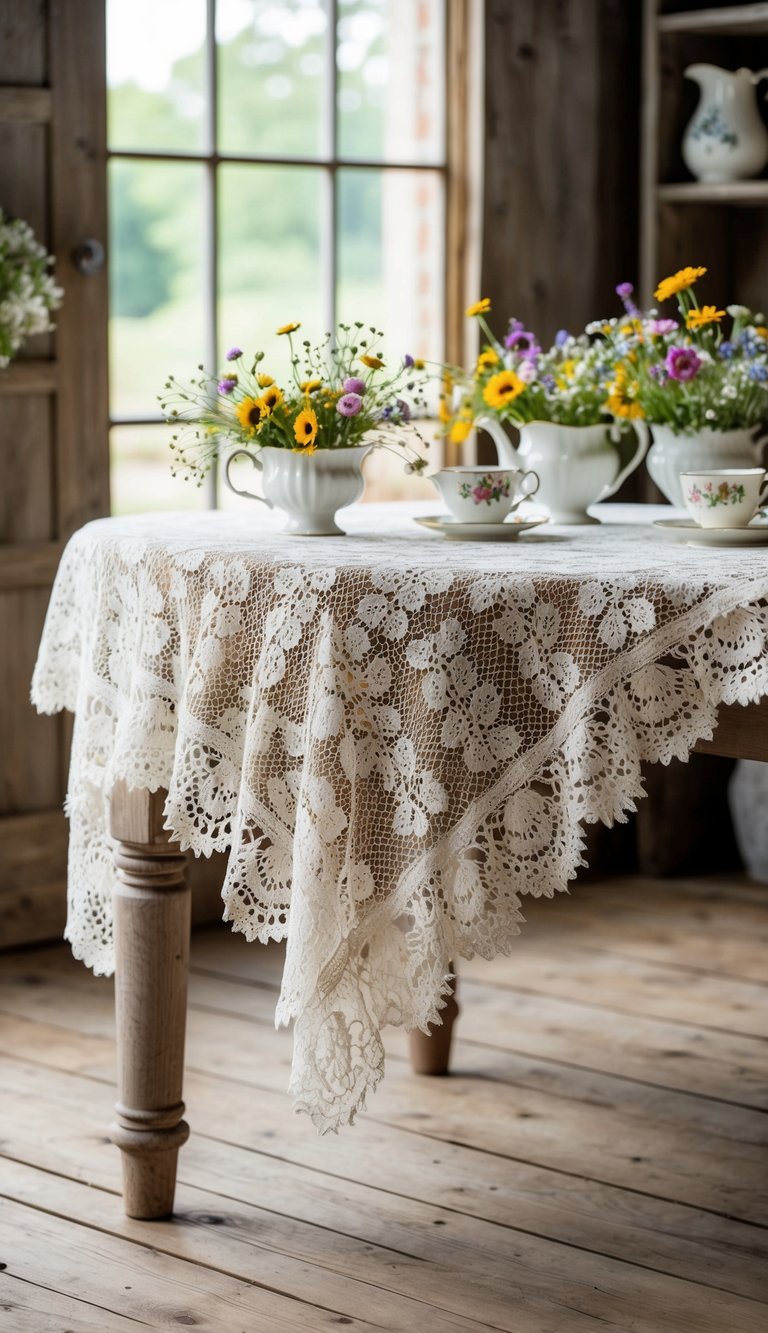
(686, 530)
(508, 531)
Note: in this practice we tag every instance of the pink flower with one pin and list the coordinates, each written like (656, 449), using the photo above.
(682, 364)
(349, 405)
(661, 327)
(354, 385)
(481, 493)
(527, 371)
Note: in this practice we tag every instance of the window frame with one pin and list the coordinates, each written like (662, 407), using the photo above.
(450, 169)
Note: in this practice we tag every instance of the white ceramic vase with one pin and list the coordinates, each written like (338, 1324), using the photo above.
(726, 139)
(309, 488)
(576, 465)
(671, 454)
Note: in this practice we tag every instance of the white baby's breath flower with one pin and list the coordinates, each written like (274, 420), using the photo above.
(28, 292)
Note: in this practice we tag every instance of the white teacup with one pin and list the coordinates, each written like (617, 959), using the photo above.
(723, 498)
(484, 494)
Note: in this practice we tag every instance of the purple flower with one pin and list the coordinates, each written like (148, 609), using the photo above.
(350, 404)
(549, 382)
(515, 325)
(234, 353)
(404, 409)
(561, 337)
(657, 373)
(682, 364)
(227, 384)
(524, 342)
(408, 360)
(661, 327)
(624, 291)
(354, 385)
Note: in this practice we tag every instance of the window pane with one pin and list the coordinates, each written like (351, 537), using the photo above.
(156, 279)
(391, 257)
(156, 74)
(272, 76)
(269, 258)
(140, 475)
(390, 57)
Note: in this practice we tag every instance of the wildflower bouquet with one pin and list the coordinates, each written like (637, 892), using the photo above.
(683, 372)
(28, 293)
(515, 380)
(338, 394)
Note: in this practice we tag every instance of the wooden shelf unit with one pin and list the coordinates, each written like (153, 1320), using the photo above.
(683, 221)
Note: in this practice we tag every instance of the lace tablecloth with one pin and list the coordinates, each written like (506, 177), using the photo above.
(394, 737)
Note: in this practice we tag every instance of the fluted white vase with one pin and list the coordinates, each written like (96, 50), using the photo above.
(309, 488)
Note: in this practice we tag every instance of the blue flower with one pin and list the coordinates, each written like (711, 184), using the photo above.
(751, 342)
(549, 382)
(758, 373)
(561, 337)
(727, 349)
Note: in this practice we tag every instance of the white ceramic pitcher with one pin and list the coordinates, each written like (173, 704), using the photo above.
(576, 465)
(726, 139)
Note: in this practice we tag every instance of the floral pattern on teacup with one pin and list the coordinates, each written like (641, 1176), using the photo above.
(486, 490)
(711, 496)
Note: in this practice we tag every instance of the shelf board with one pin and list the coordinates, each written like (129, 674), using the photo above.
(741, 20)
(737, 193)
(29, 377)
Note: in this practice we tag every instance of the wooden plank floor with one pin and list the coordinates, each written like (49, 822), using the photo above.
(596, 1162)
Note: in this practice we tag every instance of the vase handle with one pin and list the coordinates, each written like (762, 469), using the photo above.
(246, 453)
(643, 441)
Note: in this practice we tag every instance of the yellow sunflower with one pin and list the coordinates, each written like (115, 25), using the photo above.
(288, 328)
(485, 360)
(480, 307)
(621, 401)
(271, 399)
(309, 386)
(305, 430)
(708, 314)
(679, 282)
(372, 362)
(503, 388)
(264, 381)
(250, 414)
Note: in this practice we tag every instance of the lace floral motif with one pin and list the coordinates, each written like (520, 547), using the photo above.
(393, 739)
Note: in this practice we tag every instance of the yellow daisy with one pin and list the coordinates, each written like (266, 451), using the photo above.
(699, 318)
(305, 429)
(444, 412)
(372, 362)
(264, 381)
(271, 399)
(288, 328)
(679, 282)
(503, 388)
(309, 386)
(459, 431)
(480, 307)
(250, 414)
(418, 363)
(621, 401)
(761, 330)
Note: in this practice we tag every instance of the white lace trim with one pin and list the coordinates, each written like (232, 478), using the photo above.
(392, 750)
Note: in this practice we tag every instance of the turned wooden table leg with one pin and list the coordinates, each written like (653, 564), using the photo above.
(432, 1054)
(152, 915)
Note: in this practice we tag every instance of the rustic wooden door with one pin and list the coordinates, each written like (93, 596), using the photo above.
(53, 416)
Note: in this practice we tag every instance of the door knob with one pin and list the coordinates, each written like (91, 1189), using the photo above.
(88, 257)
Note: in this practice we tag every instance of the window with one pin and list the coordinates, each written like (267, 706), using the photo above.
(267, 162)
